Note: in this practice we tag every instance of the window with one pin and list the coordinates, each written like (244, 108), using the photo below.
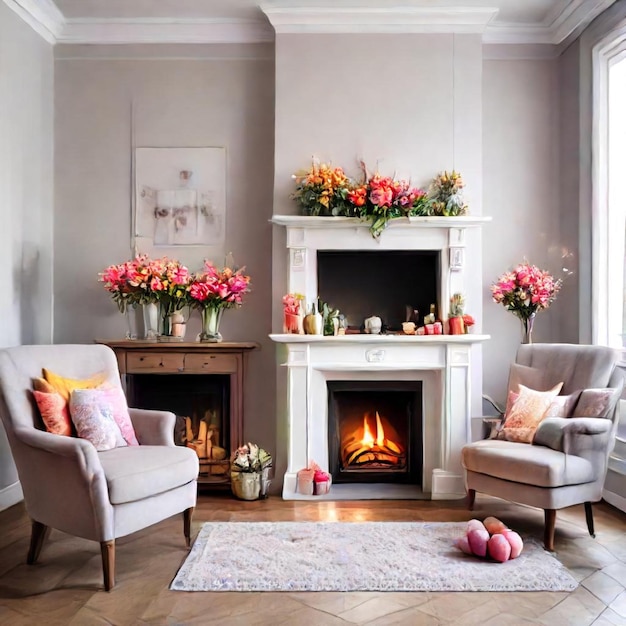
(609, 192)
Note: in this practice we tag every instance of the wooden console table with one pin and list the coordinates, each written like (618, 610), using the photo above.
(150, 357)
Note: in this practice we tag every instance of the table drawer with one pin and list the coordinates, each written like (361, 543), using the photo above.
(211, 363)
(138, 362)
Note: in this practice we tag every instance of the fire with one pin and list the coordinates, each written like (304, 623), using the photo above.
(371, 448)
(368, 439)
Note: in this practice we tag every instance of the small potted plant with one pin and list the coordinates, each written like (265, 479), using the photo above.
(456, 321)
(249, 472)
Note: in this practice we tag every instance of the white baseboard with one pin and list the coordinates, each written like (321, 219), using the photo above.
(10, 495)
(619, 502)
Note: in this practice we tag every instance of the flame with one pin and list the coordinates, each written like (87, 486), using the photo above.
(368, 438)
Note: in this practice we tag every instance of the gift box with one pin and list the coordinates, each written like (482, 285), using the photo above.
(304, 482)
(322, 481)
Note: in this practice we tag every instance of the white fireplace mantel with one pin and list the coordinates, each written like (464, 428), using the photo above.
(442, 363)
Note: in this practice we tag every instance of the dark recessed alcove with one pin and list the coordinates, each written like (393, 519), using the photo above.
(383, 283)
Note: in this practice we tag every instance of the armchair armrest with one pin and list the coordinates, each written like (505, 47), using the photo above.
(153, 428)
(64, 484)
(572, 435)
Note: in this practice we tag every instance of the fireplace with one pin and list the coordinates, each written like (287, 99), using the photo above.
(337, 259)
(375, 431)
(202, 407)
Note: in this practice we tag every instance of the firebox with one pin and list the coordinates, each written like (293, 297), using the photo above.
(201, 404)
(375, 431)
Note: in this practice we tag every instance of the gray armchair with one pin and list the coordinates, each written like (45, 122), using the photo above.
(70, 486)
(567, 461)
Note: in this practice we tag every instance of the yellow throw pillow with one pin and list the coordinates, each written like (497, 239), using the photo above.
(526, 413)
(65, 386)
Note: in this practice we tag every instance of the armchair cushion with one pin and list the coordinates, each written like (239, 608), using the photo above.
(526, 412)
(54, 412)
(530, 464)
(596, 403)
(94, 420)
(65, 386)
(137, 472)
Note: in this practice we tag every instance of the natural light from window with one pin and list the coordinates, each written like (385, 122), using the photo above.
(617, 202)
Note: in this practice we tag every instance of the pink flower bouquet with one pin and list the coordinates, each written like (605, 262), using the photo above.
(525, 290)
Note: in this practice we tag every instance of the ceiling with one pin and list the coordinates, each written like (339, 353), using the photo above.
(247, 21)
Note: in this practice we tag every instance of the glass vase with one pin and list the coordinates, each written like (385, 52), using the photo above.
(130, 313)
(211, 318)
(527, 330)
(150, 320)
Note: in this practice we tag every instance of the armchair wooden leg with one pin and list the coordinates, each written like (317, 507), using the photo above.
(471, 497)
(39, 534)
(187, 515)
(589, 517)
(107, 548)
(548, 537)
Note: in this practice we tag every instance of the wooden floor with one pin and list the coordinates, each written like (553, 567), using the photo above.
(65, 587)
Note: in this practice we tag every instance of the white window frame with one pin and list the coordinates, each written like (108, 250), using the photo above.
(611, 49)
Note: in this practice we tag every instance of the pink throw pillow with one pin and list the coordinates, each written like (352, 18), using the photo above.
(595, 403)
(54, 412)
(92, 415)
(117, 400)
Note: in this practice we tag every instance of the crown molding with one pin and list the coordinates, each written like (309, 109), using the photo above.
(576, 17)
(164, 30)
(566, 20)
(42, 16)
(378, 20)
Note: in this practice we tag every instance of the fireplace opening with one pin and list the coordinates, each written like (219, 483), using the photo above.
(202, 407)
(383, 283)
(375, 431)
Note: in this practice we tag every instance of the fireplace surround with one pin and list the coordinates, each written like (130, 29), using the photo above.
(441, 364)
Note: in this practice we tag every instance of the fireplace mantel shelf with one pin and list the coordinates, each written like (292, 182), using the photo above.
(309, 221)
(381, 339)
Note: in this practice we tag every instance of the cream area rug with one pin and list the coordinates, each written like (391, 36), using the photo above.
(356, 556)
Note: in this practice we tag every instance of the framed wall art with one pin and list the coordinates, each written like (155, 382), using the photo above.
(180, 196)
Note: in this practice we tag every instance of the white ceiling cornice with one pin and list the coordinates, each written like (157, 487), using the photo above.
(164, 30)
(42, 16)
(566, 19)
(379, 20)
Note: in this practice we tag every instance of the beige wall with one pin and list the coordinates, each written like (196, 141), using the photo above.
(521, 193)
(208, 96)
(26, 98)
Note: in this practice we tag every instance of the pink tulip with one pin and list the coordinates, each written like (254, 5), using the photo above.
(499, 548)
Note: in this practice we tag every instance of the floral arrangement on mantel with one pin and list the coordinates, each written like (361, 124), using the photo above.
(524, 291)
(324, 190)
(168, 283)
(143, 281)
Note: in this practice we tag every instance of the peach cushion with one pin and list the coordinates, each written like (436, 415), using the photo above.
(54, 412)
(526, 413)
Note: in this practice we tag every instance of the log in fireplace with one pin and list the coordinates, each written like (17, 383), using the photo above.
(375, 431)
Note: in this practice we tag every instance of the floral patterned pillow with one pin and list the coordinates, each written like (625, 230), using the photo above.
(595, 403)
(526, 413)
(93, 417)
